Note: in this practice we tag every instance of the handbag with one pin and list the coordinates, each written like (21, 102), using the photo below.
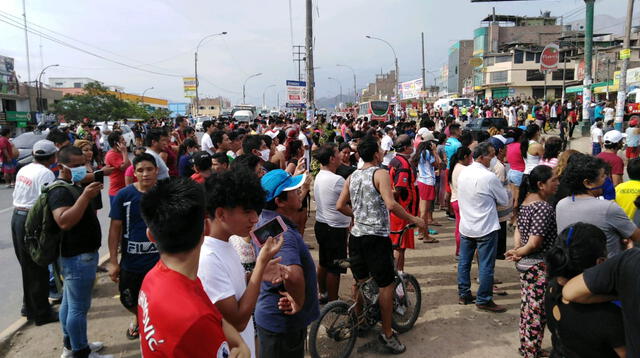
(526, 263)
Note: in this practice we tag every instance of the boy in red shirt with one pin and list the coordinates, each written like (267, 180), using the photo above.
(202, 162)
(118, 158)
(175, 315)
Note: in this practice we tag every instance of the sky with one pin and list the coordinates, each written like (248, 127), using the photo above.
(161, 36)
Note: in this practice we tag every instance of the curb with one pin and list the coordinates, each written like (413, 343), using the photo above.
(8, 333)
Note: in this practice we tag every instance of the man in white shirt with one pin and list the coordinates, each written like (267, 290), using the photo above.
(331, 227)
(206, 144)
(596, 138)
(234, 199)
(35, 278)
(479, 226)
(305, 144)
(387, 146)
(156, 140)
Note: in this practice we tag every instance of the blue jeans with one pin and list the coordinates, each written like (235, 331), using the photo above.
(596, 149)
(487, 248)
(79, 273)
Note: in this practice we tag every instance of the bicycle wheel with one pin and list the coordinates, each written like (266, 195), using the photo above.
(333, 335)
(406, 303)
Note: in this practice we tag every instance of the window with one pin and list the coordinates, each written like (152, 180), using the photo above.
(531, 56)
(498, 76)
(537, 58)
(557, 75)
(212, 107)
(59, 84)
(77, 85)
(631, 98)
(489, 61)
(501, 59)
(518, 57)
(201, 107)
(534, 75)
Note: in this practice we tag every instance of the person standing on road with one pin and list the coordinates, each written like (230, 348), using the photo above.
(612, 144)
(7, 160)
(35, 278)
(174, 312)
(206, 142)
(479, 226)
(128, 232)
(427, 161)
(331, 227)
(118, 159)
(75, 215)
(156, 142)
(369, 191)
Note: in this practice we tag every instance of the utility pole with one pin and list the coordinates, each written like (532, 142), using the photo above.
(424, 77)
(26, 44)
(586, 84)
(309, 56)
(622, 86)
(298, 57)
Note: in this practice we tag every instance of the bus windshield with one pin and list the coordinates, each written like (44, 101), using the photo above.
(379, 108)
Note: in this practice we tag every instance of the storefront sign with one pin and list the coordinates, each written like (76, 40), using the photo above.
(189, 86)
(625, 54)
(17, 116)
(550, 58)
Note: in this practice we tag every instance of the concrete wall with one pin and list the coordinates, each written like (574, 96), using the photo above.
(540, 35)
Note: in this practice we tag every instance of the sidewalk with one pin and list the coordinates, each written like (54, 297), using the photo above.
(444, 328)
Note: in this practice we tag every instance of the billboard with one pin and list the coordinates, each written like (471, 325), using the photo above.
(411, 89)
(8, 79)
(296, 94)
(550, 58)
(189, 86)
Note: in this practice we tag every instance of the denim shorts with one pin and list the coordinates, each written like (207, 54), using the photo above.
(515, 177)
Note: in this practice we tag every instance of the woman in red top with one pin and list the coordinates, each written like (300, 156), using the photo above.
(516, 163)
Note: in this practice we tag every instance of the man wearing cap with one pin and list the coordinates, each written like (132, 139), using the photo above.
(35, 278)
(632, 139)
(284, 311)
(202, 166)
(612, 144)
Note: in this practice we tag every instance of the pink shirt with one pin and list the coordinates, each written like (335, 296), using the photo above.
(514, 157)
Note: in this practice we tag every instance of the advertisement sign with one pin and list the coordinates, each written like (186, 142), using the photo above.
(550, 58)
(17, 116)
(625, 53)
(633, 76)
(581, 71)
(411, 89)
(189, 86)
(8, 79)
(296, 94)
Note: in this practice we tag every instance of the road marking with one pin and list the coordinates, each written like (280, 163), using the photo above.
(6, 210)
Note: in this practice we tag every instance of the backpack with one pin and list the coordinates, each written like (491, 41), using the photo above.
(43, 236)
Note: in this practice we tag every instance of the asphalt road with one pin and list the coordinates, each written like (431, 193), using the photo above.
(10, 276)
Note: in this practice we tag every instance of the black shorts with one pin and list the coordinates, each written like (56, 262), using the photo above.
(376, 258)
(129, 286)
(333, 246)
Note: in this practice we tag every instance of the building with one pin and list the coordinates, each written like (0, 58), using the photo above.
(179, 108)
(382, 89)
(210, 107)
(460, 70)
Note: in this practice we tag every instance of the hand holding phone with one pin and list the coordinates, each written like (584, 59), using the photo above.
(273, 228)
(98, 176)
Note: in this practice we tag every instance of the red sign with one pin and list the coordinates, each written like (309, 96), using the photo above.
(581, 71)
(550, 58)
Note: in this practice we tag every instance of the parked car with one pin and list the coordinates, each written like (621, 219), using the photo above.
(199, 122)
(24, 142)
(243, 116)
(447, 103)
(127, 134)
(478, 125)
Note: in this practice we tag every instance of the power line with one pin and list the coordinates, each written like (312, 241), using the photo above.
(13, 23)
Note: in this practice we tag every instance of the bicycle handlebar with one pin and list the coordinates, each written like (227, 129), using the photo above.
(401, 234)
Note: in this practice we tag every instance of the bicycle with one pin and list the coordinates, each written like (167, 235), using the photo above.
(334, 333)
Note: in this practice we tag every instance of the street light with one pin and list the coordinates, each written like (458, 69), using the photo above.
(340, 84)
(396, 63)
(355, 89)
(39, 87)
(263, 95)
(196, 65)
(244, 85)
(143, 92)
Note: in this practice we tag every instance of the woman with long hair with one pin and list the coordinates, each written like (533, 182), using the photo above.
(530, 148)
(534, 236)
(552, 148)
(459, 160)
(579, 330)
(426, 161)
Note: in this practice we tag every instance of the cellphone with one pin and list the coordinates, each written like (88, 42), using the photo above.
(98, 176)
(273, 228)
(305, 163)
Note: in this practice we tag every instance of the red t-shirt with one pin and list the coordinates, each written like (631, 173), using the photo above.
(514, 157)
(129, 173)
(5, 144)
(176, 317)
(616, 163)
(116, 178)
(197, 178)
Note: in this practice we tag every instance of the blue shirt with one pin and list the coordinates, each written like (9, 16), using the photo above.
(184, 166)
(597, 113)
(293, 252)
(138, 253)
(451, 147)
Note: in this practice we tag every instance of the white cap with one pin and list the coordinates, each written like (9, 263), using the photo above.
(428, 136)
(422, 131)
(44, 147)
(613, 136)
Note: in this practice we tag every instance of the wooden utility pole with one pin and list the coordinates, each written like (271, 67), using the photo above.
(309, 53)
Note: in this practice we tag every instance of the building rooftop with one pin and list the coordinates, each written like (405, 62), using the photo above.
(544, 18)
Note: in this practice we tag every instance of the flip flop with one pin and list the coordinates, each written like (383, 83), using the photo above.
(132, 332)
(430, 240)
(432, 232)
(434, 223)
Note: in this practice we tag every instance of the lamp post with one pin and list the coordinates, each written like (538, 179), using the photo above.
(264, 95)
(244, 85)
(355, 89)
(395, 57)
(143, 93)
(339, 84)
(196, 65)
(39, 87)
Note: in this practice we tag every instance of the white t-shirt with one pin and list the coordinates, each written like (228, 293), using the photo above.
(596, 134)
(327, 188)
(29, 182)
(387, 146)
(305, 143)
(207, 144)
(281, 148)
(163, 170)
(608, 114)
(223, 276)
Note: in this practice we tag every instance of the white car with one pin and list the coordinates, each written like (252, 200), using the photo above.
(199, 122)
(127, 134)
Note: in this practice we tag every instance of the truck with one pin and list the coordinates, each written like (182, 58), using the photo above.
(632, 105)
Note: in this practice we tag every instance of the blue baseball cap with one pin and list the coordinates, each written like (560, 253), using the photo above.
(277, 181)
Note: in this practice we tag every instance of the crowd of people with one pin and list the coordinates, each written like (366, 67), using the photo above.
(183, 207)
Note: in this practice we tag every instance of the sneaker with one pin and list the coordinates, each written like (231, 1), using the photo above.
(491, 307)
(96, 355)
(94, 346)
(451, 218)
(467, 300)
(392, 344)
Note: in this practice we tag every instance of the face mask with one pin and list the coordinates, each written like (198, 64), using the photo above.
(78, 173)
(264, 154)
(493, 163)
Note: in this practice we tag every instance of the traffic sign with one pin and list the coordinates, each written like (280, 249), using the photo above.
(550, 58)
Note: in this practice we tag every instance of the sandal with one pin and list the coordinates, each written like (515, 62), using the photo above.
(430, 240)
(132, 332)
(434, 223)
(432, 232)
